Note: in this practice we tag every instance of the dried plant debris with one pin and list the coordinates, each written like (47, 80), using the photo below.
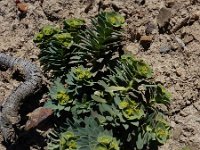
(9, 115)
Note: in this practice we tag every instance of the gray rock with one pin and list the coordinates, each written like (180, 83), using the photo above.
(164, 48)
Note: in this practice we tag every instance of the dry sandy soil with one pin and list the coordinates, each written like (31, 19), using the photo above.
(172, 51)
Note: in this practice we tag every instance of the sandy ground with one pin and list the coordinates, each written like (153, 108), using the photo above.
(173, 53)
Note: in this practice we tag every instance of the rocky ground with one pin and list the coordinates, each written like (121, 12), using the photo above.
(166, 34)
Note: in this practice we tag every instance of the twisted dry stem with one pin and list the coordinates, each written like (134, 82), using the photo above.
(9, 116)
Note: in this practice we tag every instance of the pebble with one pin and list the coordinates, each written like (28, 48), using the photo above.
(180, 71)
(145, 41)
(188, 102)
(149, 28)
(37, 116)
(164, 16)
(117, 5)
(177, 132)
(183, 113)
(172, 124)
(164, 48)
(188, 38)
(197, 105)
(170, 3)
(140, 2)
(177, 87)
(23, 7)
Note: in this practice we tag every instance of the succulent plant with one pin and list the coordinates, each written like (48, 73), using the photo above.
(60, 99)
(114, 19)
(125, 100)
(64, 39)
(55, 48)
(108, 97)
(59, 93)
(155, 129)
(79, 81)
(83, 135)
(46, 33)
(130, 110)
(99, 44)
(73, 24)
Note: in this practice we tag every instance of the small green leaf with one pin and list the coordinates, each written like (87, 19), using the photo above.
(139, 142)
(126, 126)
(98, 99)
(112, 89)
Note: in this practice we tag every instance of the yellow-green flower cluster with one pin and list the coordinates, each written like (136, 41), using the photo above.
(143, 69)
(131, 110)
(115, 19)
(68, 141)
(82, 74)
(64, 38)
(46, 31)
(160, 129)
(62, 97)
(74, 23)
(107, 142)
(161, 134)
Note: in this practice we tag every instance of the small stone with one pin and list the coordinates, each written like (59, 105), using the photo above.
(177, 87)
(183, 113)
(188, 102)
(170, 3)
(188, 38)
(145, 41)
(180, 71)
(37, 116)
(197, 105)
(140, 2)
(117, 5)
(23, 7)
(164, 48)
(173, 124)
(178, 119)
(149, 28)
(174, 46)
(177, 132)
(164, 16)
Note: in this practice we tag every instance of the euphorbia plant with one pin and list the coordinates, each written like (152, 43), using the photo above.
(108, 98)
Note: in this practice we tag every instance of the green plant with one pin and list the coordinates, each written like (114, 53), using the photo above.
(57, 46)
(154, 129)
(79, 80)
(83, 135)
(100, 44)
(108, 97)
(74, 24)
(60, 99)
